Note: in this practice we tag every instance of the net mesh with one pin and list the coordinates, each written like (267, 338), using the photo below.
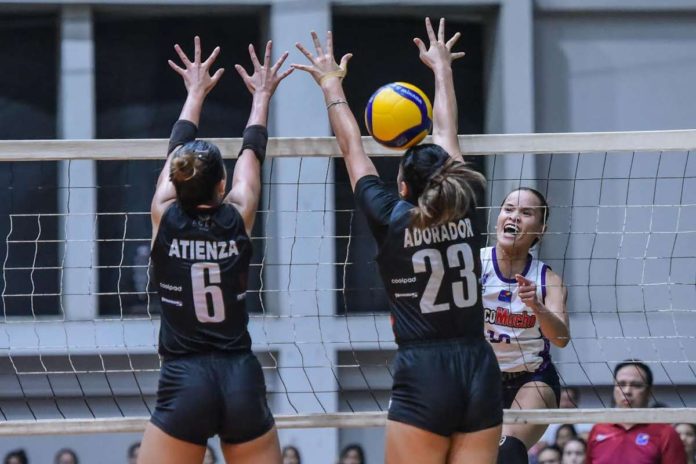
(80, 315)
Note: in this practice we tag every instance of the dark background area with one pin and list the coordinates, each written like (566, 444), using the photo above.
(28, 108)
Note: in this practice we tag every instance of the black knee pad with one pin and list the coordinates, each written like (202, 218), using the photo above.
(512, 451)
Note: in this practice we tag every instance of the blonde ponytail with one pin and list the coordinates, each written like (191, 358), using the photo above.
(448, 195)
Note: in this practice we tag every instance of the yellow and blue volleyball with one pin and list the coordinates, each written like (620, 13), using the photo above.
(399, 115)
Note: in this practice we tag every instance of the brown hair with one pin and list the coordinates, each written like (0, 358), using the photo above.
(195, 170)
(443, 188)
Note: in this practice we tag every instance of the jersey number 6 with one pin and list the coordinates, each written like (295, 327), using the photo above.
(201, 291)
(459, 256)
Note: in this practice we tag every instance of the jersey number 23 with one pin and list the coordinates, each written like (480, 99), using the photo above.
(458, 256)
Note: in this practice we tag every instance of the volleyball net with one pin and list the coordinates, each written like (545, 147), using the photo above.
(78, 340)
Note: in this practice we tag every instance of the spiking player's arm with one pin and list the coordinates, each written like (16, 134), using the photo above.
(198, 83)
(246, 182)
(552, 314)
(329, 75)
(438, 57)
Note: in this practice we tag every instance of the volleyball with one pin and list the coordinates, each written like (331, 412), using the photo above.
(398, 115)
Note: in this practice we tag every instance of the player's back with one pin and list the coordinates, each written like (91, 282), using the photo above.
(432, 277)
(201, 264)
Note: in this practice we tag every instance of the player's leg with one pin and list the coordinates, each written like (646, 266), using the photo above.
(425, 403)
(248, 433)
(532, 395)
(406, 443)
(479, 447)
(478, 433)
(184, 414)
(158, 447)
(262, 450)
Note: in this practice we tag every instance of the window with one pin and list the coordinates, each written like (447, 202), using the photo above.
(28, 101)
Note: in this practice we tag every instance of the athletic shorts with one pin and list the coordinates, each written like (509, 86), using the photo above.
(209, 394)
(513, 381)
(446, 387)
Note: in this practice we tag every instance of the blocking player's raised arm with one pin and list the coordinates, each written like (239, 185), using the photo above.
(329, 75)
(198, 83)
(262, 83)
(438, 56)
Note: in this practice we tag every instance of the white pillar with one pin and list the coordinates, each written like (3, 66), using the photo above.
(511, 93)
(298, 111)
(516, 26)
(77, 179)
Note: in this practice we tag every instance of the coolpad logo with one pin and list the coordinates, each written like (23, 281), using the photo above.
(404, 280)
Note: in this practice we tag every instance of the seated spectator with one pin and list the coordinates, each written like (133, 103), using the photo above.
(18, 456)
(570, 399)
(133, 453)
(352, 454)
(549, 455)
(687, 433)
(291, 455)
(210, 457)
(574, 451)
(66, 456)
(565, 433)
(634, 443)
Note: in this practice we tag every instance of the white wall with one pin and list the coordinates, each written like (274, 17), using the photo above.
(613, 72)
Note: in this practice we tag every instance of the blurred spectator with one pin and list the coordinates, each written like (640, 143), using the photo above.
(352, 454)
(549, 455)
(570, 399)
(133, 453)
(291, 455)
(633, 443)
(210, 457)
(565, 433)
(687, 433)
(18, 456)
(66, 456)
(574, 451)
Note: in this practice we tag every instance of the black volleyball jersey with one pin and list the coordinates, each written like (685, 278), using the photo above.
(200, 267)
(432, 276)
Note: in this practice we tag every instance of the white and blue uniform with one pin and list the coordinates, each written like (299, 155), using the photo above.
(512, 328)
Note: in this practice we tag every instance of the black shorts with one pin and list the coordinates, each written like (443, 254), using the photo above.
(209, 394)
(447, 387)
(513, 381)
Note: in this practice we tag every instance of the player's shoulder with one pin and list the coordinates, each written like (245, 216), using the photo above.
(486, 257)
(173, 217)
(553, 279)
(227, 214)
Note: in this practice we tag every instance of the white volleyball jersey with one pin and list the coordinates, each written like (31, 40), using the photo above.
(510, 326)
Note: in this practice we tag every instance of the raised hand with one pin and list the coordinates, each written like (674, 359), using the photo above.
(264, 78)
(323, 66)
(526, 289)
(438, 53)
(196, 74)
